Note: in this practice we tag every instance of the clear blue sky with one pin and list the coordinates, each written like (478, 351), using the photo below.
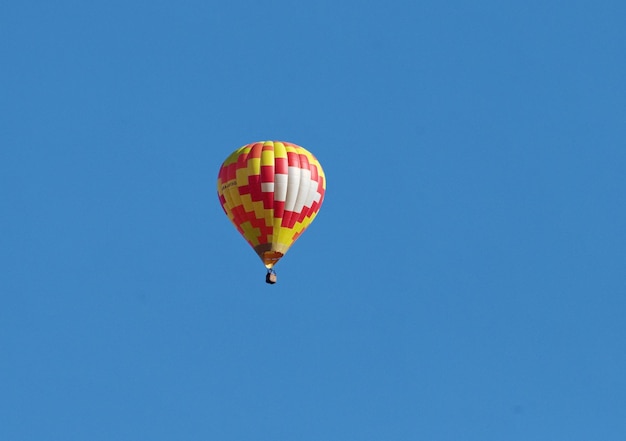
(464, 280)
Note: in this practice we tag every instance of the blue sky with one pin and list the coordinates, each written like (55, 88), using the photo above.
(464, 279)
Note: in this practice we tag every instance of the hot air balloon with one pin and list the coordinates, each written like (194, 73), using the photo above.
(271, 191)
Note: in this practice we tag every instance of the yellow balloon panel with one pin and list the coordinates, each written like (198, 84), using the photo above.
(271, 191)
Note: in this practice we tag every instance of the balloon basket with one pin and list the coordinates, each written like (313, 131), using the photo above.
(270, 277)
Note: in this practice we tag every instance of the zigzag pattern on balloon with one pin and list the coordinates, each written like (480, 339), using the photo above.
(271, 191)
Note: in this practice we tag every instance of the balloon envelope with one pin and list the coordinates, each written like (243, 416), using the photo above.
(271, 191)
